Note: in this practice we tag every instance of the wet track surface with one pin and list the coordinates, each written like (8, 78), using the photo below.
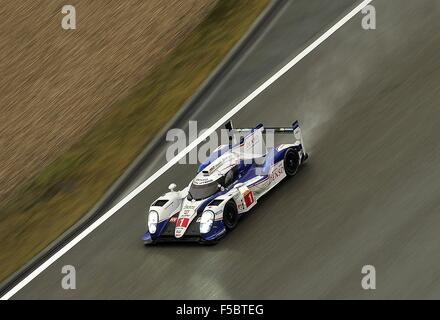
(368, 102)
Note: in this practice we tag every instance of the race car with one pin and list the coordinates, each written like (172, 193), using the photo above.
(227, 186)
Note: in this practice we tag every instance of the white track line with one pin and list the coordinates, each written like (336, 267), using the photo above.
(185, 151)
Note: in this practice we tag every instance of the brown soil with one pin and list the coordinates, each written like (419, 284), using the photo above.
(55, 83)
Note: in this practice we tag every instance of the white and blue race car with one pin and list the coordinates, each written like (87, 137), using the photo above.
(227, 185)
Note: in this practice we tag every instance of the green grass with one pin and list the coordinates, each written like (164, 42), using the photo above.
(66, 189)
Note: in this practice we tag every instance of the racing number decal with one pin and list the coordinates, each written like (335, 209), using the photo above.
(182, 222)
(248, 198)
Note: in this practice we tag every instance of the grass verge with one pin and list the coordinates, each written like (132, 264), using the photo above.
(66, 189)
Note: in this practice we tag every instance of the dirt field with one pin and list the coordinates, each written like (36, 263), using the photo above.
(55, 83)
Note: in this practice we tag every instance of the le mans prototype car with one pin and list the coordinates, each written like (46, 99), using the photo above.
(227, 185)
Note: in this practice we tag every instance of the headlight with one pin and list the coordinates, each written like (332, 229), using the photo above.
(153, 219)
(206, 221)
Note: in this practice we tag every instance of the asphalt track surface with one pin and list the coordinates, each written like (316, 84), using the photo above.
(368, 102)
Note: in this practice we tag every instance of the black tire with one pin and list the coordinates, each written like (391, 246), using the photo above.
(291, 162)
(230, 215)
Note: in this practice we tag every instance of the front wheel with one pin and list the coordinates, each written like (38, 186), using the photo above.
(291, 162)
(230, 215)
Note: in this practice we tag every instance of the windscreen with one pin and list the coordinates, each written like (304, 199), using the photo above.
(202, 191)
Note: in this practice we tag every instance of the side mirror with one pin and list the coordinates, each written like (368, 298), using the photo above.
(172, 186)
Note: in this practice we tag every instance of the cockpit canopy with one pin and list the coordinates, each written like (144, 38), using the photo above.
(202, 191)
(199, 191)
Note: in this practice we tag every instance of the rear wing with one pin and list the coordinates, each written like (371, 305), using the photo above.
(229, 126)
(294, 129)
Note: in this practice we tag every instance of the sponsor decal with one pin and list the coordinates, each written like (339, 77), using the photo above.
(173, 219)
(248, 197)
(185, 217)
(189, 207)
(276, 173)
(199, 180)
(179, 232)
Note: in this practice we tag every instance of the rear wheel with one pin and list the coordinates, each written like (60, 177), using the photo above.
(230, 215)
(291, 162)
